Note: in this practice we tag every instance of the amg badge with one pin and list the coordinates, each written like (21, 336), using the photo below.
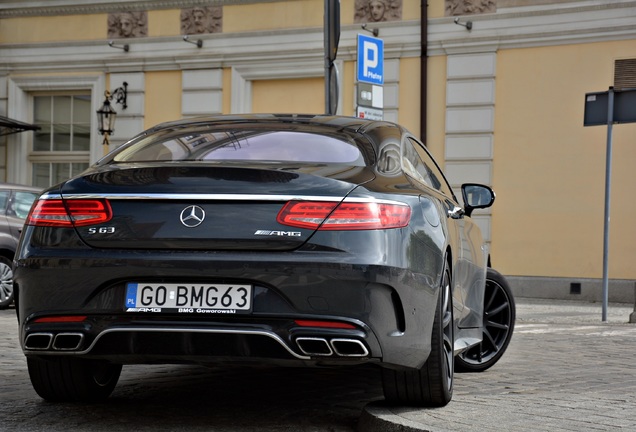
(278, 233)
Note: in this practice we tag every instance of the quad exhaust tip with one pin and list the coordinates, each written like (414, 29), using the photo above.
(349, 348)
(312, 346)
(57, 342)
(38, 341)
(68, 341)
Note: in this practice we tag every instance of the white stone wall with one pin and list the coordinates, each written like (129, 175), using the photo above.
(470, 111)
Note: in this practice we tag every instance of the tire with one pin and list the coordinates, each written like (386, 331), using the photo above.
(431, 385)
(68, 379)
(6, 282)
(499, 323)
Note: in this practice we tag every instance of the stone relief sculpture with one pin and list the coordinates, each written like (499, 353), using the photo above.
(199, 20)
(127, 25)
(467, 7)
(377, 11)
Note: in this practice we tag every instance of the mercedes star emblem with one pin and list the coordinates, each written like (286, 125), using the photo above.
(192, 216)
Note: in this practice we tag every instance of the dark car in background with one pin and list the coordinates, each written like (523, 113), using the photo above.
(282, 239)
(15, 203)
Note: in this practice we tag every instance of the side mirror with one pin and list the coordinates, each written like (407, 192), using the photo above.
(476, 196)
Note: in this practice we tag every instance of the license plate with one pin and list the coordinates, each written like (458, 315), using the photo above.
(188, 298)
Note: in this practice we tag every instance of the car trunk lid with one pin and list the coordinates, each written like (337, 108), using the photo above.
(207, 207)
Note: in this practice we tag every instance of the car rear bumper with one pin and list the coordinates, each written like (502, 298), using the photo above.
(390, 309)
(150, 341)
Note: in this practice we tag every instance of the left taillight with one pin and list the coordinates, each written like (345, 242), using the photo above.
(344, 216)
(67, 213)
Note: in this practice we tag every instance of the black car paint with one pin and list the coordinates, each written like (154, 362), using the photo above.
(384, 282)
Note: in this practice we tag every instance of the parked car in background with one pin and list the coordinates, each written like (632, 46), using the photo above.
(284, 239)
(15, 203)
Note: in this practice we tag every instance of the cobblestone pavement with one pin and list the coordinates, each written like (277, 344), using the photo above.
(564, 370)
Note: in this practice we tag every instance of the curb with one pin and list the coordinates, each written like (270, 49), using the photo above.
(377, 417)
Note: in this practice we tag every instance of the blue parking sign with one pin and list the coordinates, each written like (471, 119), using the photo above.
(370, 60)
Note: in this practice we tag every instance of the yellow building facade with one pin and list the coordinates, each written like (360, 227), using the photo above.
(504, 85)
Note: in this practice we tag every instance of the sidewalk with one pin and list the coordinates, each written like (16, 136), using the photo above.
(565, 370)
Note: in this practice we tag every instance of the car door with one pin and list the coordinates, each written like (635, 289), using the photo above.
(470, 259)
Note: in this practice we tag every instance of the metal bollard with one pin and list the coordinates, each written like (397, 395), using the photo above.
(632, 316)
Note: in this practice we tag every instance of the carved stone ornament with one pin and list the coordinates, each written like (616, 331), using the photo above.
(367, 11)
(202, 19)
(470, 7)
(127, 24)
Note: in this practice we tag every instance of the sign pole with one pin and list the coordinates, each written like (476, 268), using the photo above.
(331, 41)
(608, 188)
(619, 108)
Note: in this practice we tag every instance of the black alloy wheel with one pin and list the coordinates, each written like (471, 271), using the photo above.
(444, 390)
(432, 385)
(499, 322)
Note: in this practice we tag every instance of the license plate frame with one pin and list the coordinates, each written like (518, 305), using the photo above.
(188, 298)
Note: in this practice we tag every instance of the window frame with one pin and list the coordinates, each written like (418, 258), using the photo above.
(20, 146)
(432, 167)
(51, 157)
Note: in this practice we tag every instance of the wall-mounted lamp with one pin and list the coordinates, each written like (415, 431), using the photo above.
(467, 24)
(198, 43)
(106, 115)
(124, 47)
(373, 31)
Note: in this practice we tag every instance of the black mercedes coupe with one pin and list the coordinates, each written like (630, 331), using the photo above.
(281, 239)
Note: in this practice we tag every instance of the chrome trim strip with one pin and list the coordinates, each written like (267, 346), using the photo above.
(219, 197)
(180, 330)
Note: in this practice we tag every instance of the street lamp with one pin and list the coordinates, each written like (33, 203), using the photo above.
(106, 115)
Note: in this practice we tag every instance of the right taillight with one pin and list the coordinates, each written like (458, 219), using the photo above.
(344, 216)
(67, 213)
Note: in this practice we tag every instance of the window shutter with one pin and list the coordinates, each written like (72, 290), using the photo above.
(625, 74)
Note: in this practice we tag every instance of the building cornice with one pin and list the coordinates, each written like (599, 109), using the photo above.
(14, 9)
(536, 26)
(573, 23)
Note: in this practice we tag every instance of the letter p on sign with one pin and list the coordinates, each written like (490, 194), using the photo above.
(370, 52)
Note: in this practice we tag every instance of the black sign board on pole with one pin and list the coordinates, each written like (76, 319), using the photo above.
(596, 107)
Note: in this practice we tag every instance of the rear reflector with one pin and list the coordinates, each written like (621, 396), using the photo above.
(324, 324)
(67, 213)
(344, 216)
(61, 319)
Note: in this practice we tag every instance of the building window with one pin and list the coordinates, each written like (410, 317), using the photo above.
(625, 74)
(61, 148)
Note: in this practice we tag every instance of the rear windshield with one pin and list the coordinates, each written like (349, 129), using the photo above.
(253, 146)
